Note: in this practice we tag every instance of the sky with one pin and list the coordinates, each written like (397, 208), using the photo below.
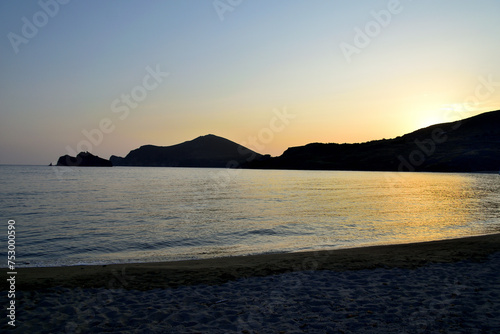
(110, 76)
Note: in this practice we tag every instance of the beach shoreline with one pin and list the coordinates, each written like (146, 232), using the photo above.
(147, 276)
(428, 287)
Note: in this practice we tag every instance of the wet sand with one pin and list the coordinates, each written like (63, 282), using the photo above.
(144, 276)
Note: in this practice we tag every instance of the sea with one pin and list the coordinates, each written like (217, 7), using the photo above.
(82, 216)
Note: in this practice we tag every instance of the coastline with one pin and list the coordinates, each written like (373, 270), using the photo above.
(147, 276)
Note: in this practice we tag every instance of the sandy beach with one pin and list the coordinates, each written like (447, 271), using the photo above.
(440, 286)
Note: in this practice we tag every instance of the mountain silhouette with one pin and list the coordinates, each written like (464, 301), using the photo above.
(204, 151)
(83, 159)
(469, 145)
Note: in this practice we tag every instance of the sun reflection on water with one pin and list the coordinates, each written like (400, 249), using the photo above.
(161, 214)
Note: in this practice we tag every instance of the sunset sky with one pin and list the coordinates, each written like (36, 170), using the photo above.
(346, 71)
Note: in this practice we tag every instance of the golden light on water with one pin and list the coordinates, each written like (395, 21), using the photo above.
(183, 213)
(337, 209)
(431, 205)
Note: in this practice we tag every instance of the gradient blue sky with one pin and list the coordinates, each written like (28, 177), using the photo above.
(227, 76)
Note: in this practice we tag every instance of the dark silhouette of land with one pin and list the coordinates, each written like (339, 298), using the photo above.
(469, 145)
(83, 159)
(204, 151)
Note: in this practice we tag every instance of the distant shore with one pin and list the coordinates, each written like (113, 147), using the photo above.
(146, 276)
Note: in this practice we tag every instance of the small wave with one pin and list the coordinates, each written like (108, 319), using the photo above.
(263, 231)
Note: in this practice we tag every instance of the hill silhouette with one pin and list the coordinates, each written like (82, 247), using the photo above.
(469, 145)
(83, 159)
(204, 151)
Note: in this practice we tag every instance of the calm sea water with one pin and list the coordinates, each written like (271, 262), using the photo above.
(67, 216)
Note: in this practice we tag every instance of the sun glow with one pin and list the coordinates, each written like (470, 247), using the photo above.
(443, 114)
(430, 120)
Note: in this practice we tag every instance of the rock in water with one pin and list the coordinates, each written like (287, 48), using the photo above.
(83, 159)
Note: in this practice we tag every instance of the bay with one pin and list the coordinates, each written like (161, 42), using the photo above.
(69, 216)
